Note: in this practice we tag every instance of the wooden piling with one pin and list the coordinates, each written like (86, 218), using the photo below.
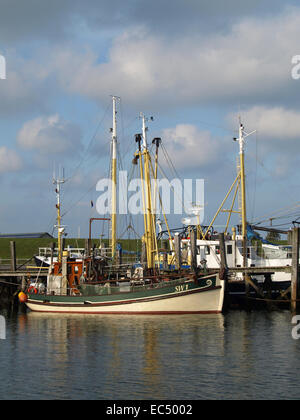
(165, 246)
(224, 270)
(23, 283)
(144, 254)
(87, 246)
(177, 246)
(295, 269)
(193, 236)
(119, 254)
(223, 251)
(52, 253)
(268, 285)
(13, 258)
(290, 237)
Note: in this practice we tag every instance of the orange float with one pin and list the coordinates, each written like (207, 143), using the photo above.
(22, 297)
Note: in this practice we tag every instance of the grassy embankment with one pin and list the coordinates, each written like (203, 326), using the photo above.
(26, 248)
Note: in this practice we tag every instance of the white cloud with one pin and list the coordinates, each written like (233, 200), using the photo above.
(278, 136)
(58, 19)
(191, 148)
(50, 136)
(251, 60)
(26, 84)
(271, 122)
(10, 161)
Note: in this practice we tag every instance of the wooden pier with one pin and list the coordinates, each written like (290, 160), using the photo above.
(14, 278)
(263, 292)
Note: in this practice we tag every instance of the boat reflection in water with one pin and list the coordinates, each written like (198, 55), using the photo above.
(237, 356)
(115, 357)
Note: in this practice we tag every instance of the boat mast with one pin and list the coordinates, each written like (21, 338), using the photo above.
(243, 179)
(150, 233)
(241, 140)
(58, 182)
(243, 191)
(240, 185)
(114, 144)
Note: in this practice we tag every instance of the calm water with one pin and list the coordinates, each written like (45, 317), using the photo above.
(239, 355)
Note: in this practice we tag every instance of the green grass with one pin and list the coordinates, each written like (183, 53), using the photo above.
(27, 247)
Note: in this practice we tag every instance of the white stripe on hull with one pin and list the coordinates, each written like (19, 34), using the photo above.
(210, 301)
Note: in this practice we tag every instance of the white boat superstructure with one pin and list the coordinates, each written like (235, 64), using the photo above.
(46, 256)
(208, 256)
(278, 256)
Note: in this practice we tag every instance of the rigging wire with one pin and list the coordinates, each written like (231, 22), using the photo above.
(90, 143)
(269, 172)
(255, 176)
(83, 158)
(86, 156)
(280, 212)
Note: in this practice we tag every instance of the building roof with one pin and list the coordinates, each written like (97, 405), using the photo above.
(26, 235)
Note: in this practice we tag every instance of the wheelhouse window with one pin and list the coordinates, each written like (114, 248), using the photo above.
(229, 249)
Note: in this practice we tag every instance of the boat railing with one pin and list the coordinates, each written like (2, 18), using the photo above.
(102, 252)
(104, 288)
(46, 252)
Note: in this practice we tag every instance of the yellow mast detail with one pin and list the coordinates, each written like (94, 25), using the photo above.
(243, 197)
(59, 227)
(114, 181)
(149, 219)
(140, 156)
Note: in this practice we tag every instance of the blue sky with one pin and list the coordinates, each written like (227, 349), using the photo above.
(193, 65)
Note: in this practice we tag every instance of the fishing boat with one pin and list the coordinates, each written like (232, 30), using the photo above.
(153, 296)
(91, 285)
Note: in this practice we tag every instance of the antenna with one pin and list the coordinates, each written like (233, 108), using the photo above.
(242, 136)
(60, 229)
(144, 128)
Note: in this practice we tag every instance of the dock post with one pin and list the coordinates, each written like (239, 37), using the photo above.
(13, 259)
(119, 255)
(223, 251)
(290, 237)
(144, 254)
(268, 285)
(223, 270)
(165, 246)
(51, 255)
(295, 269)
(193, 236)
(23, 284)
(87, 247)
(177, 246)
